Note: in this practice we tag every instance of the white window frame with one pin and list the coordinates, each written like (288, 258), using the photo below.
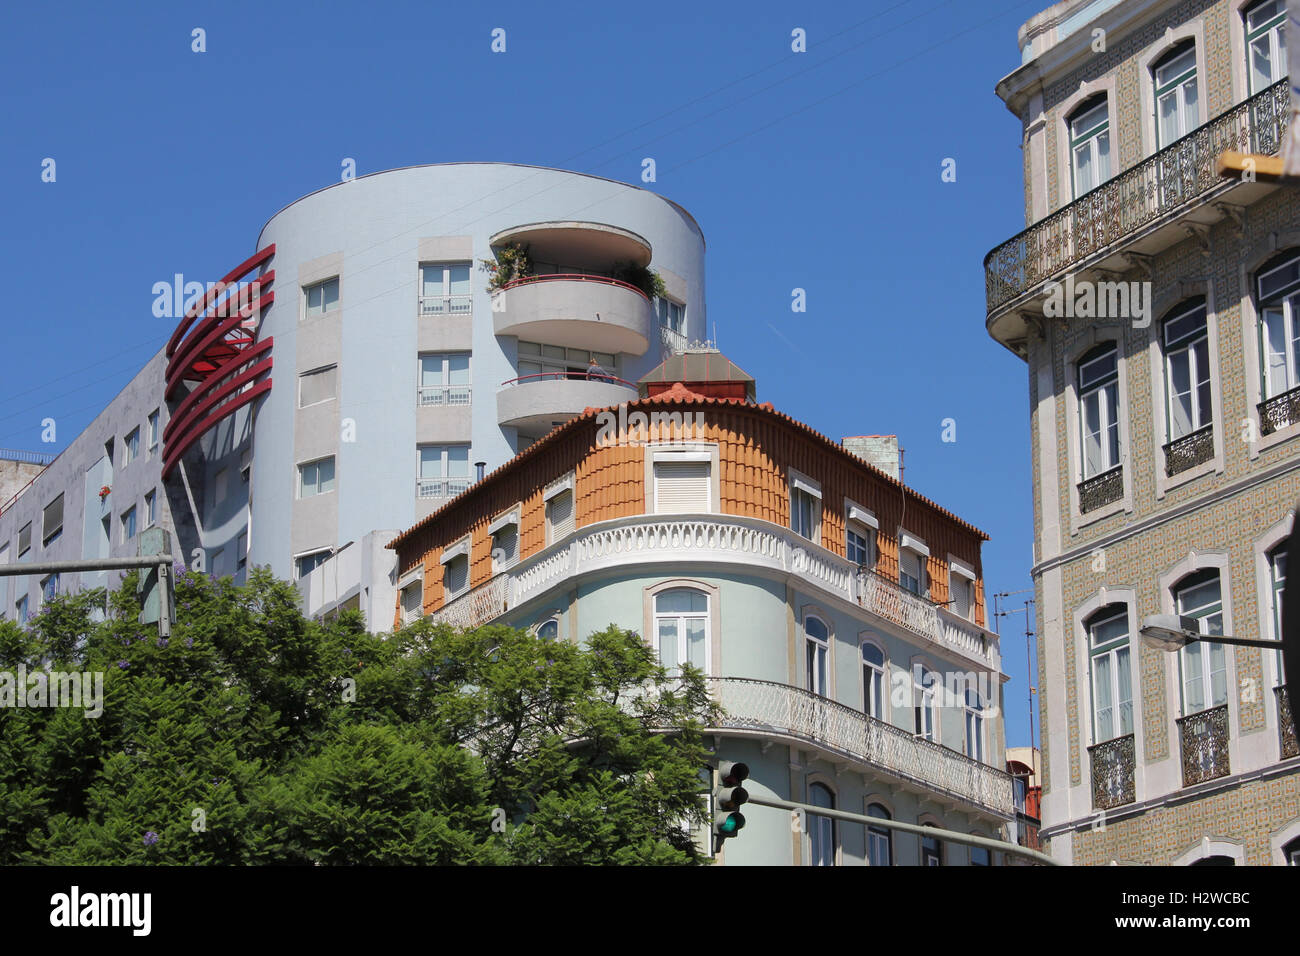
(1090, 137)
(460, 551)
(974, 739)
(671, 314)
(154, 421)
(681, 620)
(151, 507)
(1177, 87)
(442, 485)
(302, 377)
(963, 576)
(878, 836)
(817, 656)
(326, 308)
(1270, 31)
(1285, 302)
(562, 485)
(322, 553)
(499, 524)
(875, 680)
(925, 702)
(445, 393)
(1197, 661)
(801, 484)
(1185, 348)
(302, 476)
(131, 446)
(1117, 652)
(128, 518)
(445, 302)
(671, 456)
(822, 831)
(1108, 411)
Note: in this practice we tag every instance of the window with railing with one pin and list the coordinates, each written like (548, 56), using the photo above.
(1187, 369)
(1203, 665)
(445, 288)
(1090, 145)
(873, 680)
(681, 623)
(817, 649)
(444, 379)
(1099, 409)
(1177, 106)
(1110, 673)
(1277, 286)
(538, 362)
(1265, 43)
(443, 471)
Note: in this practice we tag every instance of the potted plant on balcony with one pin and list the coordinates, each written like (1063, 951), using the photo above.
(104, 493)
(511, 263)
(647, 280)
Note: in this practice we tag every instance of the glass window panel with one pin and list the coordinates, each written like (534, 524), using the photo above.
(458, 280)
(431, 370)
(458, 461)
(695, 644)
(458, 369)
(873, 655)
(1101, 687)
(1124, 679)
(668, 643)
(431, 462)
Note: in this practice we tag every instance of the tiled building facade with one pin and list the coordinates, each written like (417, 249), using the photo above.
(1163, 427)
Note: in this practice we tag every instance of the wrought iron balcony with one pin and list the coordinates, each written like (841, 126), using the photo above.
(1204, 741)
(784, 711)
(1112, 773)
(1146, 195)
(1101, 490)
(1287, 744)
(1192, 449)
(1279, 411)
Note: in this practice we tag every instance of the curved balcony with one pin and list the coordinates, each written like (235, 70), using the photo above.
(577, 310)
(581, 245)
(535, 403)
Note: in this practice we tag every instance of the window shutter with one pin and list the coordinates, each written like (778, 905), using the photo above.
(457, 576)
(52, 520)
(506, 540)
(412, 601)
(560, 515)
(961, 595)
(681, 486)
(318, 386)
(25, 539)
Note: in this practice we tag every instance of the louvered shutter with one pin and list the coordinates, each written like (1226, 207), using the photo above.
(681, 487)
(457, 576)
(559, 515)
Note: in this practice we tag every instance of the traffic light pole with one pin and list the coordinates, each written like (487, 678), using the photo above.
(950, 836)
(163, 562)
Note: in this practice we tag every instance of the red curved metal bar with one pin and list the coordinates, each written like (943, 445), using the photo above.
(239, 381)
(569, 377)
(194, 434)
(234, 275)
(195, 348)
(181, 412)
(575, 277)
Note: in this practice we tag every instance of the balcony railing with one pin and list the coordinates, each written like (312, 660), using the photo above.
(440, 487)
(574, 277)
(1191, 450)
(573, 375)
(442, 395)
(446, 304)
(1153, 190)
(1101, 490)
(743, 542)
(1279, 411)
(674, 342)
(1112, 772)
(779, 709)
(1287, 744)
(1204, 740)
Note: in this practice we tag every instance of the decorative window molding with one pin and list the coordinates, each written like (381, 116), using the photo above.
(1099, 334)
(457, 550)
(714, 595)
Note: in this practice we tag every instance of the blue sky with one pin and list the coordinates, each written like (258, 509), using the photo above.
(817, 170)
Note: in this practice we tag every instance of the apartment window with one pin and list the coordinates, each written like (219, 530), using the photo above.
(1292, 852)
(444, 470)
(505, 541)
(1187, 370)
(911, 571)
(1277, 580)
(925, 693)
(318, 385)
(444, 379)
(1278, 285)
(316, 478)
(1174, 75)
(49, 587)
(559, 510)
(131, 446)
(128, 524)
(20, 610)
(548, 630)
(445, 288)
(1090, 145)
(805, 506)
(682, 629)
(859, 543)
(672, 315)
(24, 540)
(1099, 404)
(1265, 44)
(880, 842)
(873, 680)
(52, 521)
(307, 563)
(821, 830)
(817, 646)
(153, 421)
(150, 509)
(1203, 665)
(455, 576)
(1111, 673)
(980, 856)
(322, 297)
(961, 587)
(412, 601)
(546, 362)
(681, 483)
(241, 551)
(974, 725)
(931, 850)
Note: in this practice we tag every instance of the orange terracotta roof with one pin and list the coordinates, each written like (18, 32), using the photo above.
(677, 395)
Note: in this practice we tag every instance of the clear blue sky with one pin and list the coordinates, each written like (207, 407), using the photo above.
(818, 170)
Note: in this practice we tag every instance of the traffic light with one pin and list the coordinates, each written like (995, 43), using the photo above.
(728, 796)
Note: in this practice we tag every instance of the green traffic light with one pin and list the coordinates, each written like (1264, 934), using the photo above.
(732, 825)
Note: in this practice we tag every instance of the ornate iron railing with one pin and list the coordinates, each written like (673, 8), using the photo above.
(1101, 490)
(1288, 746)
(1279, 411)
(889, 600)
(1154, 189)
(1204, 740)
(1192, 449)
(477, 607)
(1112, 772)
(769, 707)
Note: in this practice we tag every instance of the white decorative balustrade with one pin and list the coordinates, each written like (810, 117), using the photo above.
(747, 542)
(476, 607)
(779, 709)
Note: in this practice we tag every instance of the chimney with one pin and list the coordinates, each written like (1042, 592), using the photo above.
(879, 450)
(478, 470)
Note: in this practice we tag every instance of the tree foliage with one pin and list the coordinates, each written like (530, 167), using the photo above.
(254, 735)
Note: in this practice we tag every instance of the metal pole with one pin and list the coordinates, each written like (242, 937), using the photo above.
(951, 836)
(88, 564)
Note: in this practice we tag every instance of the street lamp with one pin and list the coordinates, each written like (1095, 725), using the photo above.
(1172, 632)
